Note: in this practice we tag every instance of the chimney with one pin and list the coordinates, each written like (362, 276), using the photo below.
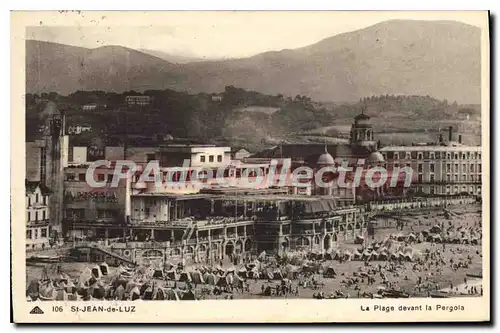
(450, 133)
(460, 138)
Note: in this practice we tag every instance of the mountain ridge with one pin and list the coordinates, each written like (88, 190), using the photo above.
(436, 58)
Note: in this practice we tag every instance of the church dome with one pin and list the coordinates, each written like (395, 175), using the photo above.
(376, 157)
(326, 159)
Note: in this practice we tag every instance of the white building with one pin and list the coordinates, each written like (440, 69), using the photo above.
(79, 129)
(37, 215)
(89, 107)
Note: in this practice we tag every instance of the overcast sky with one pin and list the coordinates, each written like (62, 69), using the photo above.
(216, 34)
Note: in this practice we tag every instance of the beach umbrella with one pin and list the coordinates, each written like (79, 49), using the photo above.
(197, 277)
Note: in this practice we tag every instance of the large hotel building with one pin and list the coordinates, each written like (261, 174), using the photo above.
(142, 221)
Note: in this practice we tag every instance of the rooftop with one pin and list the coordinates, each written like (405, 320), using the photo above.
(431, 148)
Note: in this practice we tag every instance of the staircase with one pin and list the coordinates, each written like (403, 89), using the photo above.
(108, 253)
(188, 232)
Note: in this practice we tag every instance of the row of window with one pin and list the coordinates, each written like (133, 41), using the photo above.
(420, 167)
(436, 155)
(71, 177)
(34, 234)
(44, 216)
(451, 190)
(37, 199)
(456, 178)
(211, 158)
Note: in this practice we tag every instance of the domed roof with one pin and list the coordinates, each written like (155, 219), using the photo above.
(325, 158)
(376, 157)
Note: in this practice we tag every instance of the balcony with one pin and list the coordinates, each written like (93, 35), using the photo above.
(39, 223)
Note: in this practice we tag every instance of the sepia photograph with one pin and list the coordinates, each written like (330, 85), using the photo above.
(251, 158)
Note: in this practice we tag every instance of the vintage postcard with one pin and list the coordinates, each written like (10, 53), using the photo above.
(250, 166)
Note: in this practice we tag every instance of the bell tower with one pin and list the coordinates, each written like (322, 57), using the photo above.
(362, 131)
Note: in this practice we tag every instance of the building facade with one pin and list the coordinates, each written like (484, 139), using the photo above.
(439, 169)
(138, 100)
(38, 230)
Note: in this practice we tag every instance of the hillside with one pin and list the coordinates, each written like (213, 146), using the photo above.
(436, 58)
(251, 119)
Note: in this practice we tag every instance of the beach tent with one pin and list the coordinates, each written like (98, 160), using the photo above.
(229, 279)
(328, 256)
(130, 285)
(329, 272)
(119, 292)
(394, 256)
(188, 295)
(253, 273)
(185, 277)
(400, 238)
(277, 274)
(148, 293)
(230, 270)
(61, 295)
(96, 271)
(171, 294)
(33, 289)
(135, 293)
(237, 282)
(346, 255)
(366, 255)
(357, 255)
(412, 237)
(383, 255)
(144, 287)
(437, 238)
(159, 295)
(84, 278)
(158, 274)
(172, 275)
(267, 274)
(359, 239)
(435, 229)
(47, 292)
(97, 291)
(70, 287)
(337, 255)
(242, 272)
(374, 255)
(292, 272)
(219, 270)
(222, 282)
(104, 268)
(197, 277)
(210, 279)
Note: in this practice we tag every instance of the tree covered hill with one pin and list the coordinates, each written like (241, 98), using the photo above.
(235, 116)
